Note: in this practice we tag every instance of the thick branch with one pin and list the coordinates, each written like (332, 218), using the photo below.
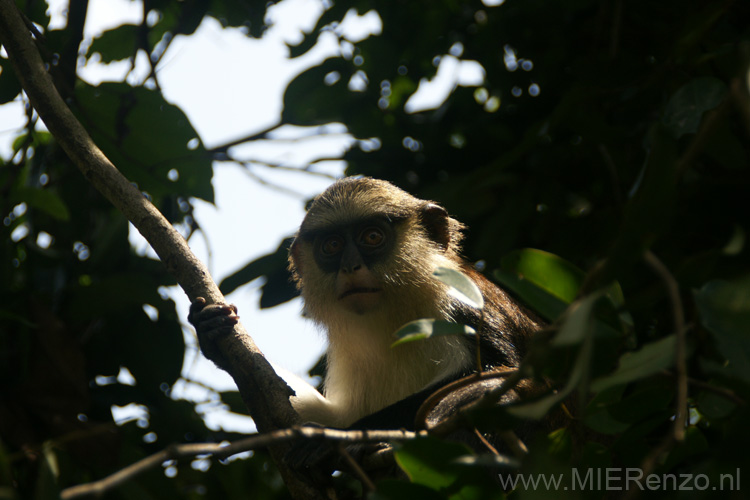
(269, 407)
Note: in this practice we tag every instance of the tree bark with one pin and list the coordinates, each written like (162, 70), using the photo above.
(265, 393)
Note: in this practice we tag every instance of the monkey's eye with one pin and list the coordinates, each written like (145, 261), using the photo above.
(332, 245)
(372, 237)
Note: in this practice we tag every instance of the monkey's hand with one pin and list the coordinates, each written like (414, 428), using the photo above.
(212, 322)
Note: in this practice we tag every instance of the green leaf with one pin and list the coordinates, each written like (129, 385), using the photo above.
(438, 465)
(551, 273)
(543, 302)
(163, 362)
(643, 401)
(426, 328)
(116, 44)
(577, 329)
(48, 474)
(10, 87)
(462, 287)
(7, 315)
(714, 406)
(724, 309)
(650, 359)
(685, 108)
(427, 461)
(44, 200)
(393, 489)
(695, 445)
(579, 322)
(547, 282)
(234, 401)
(604, 423)
(148, 139)
(278, 287)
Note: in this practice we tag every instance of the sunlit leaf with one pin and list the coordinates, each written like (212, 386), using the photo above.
(546, 270)
(547, 305)
(426, 328)
(462, 287)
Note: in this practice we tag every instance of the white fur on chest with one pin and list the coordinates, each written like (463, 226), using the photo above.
(366, 374)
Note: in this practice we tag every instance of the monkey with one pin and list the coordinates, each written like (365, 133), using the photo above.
(363, 261)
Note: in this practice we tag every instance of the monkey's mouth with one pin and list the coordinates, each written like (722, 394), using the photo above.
(357, 291)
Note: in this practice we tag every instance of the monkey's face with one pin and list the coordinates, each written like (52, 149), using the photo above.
(366, 251)
(348, 256)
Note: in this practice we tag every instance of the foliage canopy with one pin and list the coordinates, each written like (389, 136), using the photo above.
(602, 166)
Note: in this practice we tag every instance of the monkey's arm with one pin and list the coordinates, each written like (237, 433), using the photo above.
(214, 320)
(310, 405)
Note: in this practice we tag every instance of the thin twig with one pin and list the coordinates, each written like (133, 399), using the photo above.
(514, 443)
(220, 451)
(486, 442)
(301, 170)
(271, 185)
(224, 148)
(649, 463)
(673, 292)
(721, 391)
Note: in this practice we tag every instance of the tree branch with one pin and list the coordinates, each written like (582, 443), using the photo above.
(265, 394)
(678, 318)
(219, 451)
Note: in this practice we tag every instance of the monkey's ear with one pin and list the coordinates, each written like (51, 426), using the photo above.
(437, 222)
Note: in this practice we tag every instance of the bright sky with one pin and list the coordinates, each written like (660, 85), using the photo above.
(225, 101)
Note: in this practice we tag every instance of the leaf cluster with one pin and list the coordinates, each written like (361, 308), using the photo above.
(613, 136)
(603, 132)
